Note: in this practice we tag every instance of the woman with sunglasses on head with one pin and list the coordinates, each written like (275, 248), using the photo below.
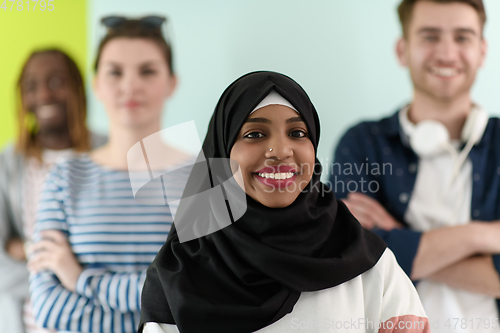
(296, 259)
(51, 119)
(95, 241)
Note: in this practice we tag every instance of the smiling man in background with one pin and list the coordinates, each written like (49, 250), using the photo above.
(438, 208)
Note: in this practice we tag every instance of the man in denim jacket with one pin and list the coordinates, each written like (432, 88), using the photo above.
(438, 210)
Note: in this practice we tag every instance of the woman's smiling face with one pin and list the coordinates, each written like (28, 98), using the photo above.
(276, 177)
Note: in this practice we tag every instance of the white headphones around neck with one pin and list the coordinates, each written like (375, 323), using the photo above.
(430, 137)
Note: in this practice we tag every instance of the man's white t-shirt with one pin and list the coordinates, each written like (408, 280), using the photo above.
(435, 203)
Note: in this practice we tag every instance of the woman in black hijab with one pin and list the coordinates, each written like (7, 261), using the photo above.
(295, 258)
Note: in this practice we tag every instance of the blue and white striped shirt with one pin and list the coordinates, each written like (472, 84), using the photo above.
(113, 236)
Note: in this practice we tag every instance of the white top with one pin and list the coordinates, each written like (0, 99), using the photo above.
(381, 297)
(435, 204)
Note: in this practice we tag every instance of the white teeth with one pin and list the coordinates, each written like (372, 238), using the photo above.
(282, 175)
(47, 111)
(444, 71)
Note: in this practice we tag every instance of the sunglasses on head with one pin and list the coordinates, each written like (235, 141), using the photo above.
(148, 22)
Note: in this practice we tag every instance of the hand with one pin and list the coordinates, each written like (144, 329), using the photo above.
(15, 249)
(54, 253)
(370, 213)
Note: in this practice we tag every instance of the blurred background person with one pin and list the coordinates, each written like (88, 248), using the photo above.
(438, 209)
(51, 120)
(96, 240)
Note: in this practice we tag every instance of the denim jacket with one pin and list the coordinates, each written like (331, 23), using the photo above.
(375, 158)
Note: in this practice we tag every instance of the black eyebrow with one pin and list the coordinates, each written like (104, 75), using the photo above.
(267, 121)
(294, 120)
(258, 120)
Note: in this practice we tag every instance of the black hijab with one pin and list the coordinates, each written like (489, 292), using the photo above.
(250, 274)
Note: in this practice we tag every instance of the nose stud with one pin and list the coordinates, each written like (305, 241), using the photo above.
(271, 149)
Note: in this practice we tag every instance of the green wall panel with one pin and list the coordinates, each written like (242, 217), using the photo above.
(22, 31)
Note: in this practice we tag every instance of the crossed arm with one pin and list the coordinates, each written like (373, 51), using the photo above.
(460, 256)
(59, 283)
